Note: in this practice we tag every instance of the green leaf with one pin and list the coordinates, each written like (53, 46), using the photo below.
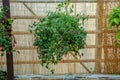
(82, 54)
(2, 54)
(116, 21)
(10, 21)
(117, 44)
(71, 10)
(109, 27)
(114, 17)
(52, 71)
(72, 6)
(118, 34)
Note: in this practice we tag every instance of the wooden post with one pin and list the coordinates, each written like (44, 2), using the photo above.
(98, 55)
(10, 72)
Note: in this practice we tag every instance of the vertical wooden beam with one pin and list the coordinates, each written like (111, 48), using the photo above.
(110, 67)
(10, 72)
(99, 36)
(105, 37)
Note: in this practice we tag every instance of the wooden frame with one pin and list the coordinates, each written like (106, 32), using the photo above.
(98, 60)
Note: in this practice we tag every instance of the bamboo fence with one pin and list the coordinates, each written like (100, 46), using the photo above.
(99, 56)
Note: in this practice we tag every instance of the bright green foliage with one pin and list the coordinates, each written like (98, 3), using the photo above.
(114, 18)
(114, 21)
(58, 34)
(5, 28)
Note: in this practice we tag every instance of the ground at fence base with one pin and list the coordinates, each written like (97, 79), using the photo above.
(68, 77)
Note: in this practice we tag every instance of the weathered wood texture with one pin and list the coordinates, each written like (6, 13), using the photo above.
(109, 39)
(99, 55)
(9, 57)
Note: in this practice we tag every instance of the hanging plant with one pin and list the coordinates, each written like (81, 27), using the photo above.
(58, 34)
(114, 22)
(6, 39)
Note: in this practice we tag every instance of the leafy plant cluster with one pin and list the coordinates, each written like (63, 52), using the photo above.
(3, 75)
(58, 34)
(114, 22)
(6, 38)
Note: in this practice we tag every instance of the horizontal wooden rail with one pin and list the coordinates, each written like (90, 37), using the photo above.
(25, 48)
(64, 61)
(38, 62)
(21, 33)
(38, 17)
(89, 32)
(28, 33)
(58, 1)
(87, 46)
(50, 1)
(32, 47)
